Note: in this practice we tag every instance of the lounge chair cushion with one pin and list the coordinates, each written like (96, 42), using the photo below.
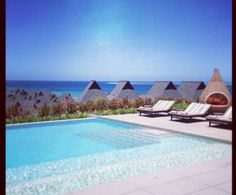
(160, 106)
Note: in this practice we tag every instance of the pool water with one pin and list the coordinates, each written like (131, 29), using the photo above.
(59, 157)
(33, 144)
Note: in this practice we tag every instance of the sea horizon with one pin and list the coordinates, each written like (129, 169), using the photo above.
(76, 88)
(7, 80)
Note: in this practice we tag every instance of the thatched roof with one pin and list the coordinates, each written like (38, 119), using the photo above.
(66, 98)
(123, 89)
(27, 105)
(215, 85)
(91, 92)
(10, 95)
(162, 89)
(13, 98)
(10, 103)
(46, 97)
(30, 100)
(191, 90)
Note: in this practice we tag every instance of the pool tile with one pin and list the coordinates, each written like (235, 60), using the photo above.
(113, 188)
(155, 179)
(179, 187)
(225, 186)
(210, 191)
(223, 162)
(214, 177)
(196, 169)
(139, 192)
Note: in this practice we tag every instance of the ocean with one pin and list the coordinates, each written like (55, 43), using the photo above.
(75, 88)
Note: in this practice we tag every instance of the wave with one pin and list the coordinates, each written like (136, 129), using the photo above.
(142, 83)
(112, 83)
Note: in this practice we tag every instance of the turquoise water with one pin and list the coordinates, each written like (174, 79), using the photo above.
(32, 144)
(54, 158)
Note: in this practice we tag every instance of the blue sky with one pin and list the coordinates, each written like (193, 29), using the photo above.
(118, 39)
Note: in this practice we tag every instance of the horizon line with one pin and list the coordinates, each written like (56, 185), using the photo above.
(114, 80)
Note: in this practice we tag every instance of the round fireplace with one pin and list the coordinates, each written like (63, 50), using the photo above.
(219, 101)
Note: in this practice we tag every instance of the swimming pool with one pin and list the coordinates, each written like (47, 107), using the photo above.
(59, 157)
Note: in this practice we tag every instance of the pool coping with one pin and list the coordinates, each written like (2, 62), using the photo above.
(51, 121)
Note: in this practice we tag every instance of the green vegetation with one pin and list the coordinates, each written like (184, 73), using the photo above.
(114, 112)
(27, 118)
(62, 111)
(180, 106)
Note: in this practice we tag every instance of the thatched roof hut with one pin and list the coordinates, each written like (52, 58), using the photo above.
(29, 100)
(216, 93)
(27, 105)
(10, 103)
(14, 98)
(47, 97)
(191, 90)
(66, 98)
(162, 90)
(91, 92)
(123, 89)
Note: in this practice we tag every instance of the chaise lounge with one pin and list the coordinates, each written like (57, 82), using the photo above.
(193, 110)
(226, 118)
(160, 106)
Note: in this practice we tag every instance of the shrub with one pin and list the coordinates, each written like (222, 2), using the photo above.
(114, 112)
(126, 102)
(133, 110)
(180, 106)
(58, 109)
(71, 108)
(44, 110)
(121, 111)
(89, 106)
(138, 102)
(80, 107)
(148, 101)
(100, 104)
(83, 115)
(112, 104)
(119, 104)
(13, 111)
